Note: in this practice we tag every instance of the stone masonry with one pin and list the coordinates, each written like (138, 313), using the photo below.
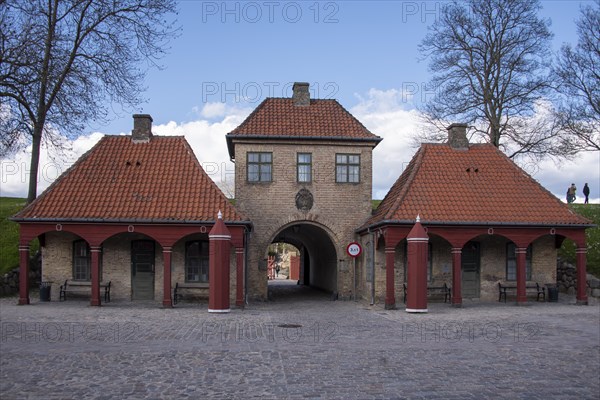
(338, 207)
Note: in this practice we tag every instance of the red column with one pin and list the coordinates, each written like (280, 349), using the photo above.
(521, 275)
(23, 274)
(219, 245)
(95, 253)
(167, 300)
(390, 298)
(239, 277)
(457, 277)
(416, 300)
(582, 298)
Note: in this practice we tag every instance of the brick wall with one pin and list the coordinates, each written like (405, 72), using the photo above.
(57, 264)
(492, 262)
(339, 208)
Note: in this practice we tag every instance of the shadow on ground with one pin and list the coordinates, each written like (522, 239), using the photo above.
(284, 290)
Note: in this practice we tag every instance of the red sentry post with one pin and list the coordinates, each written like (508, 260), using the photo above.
(416, 299)
(219, 247)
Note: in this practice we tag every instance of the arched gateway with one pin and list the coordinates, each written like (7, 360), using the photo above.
(303, 172)
(318, 256)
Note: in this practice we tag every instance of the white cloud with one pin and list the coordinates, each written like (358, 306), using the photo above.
(15, 170)
(383, 112)
(206, 138)
(584, 169)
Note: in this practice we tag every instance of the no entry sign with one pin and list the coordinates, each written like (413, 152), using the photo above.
(354, 249)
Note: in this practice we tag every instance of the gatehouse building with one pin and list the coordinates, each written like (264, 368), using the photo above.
(138, 215)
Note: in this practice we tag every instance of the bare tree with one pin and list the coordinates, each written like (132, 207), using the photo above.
(490, 64)
(578, 79)
(63, 61)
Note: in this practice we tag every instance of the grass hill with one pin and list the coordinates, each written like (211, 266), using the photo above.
(9, 235)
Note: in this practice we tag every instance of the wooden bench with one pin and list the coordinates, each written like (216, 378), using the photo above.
(445, 290)
(177, 295)
(535, 289)
(82, 287)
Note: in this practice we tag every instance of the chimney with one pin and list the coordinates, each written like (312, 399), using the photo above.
(457, 136)
(142, 128)
(301, 94)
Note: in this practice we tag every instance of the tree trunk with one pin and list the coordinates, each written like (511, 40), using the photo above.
(35, 161)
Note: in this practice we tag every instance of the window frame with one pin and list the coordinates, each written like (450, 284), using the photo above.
(303, 164)
(260, 163)
(347, 165)
(203, 261)
(512, 258)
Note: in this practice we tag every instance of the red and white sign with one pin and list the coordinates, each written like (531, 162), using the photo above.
(354, 249)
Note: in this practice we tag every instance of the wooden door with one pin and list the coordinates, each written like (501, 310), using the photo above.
(142, 270)
(471, 270)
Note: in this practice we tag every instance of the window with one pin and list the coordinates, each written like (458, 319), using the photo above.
(82, 261)
(304, 167)
(260, 166)
(347, 168)
(196, 261)
(511, 262)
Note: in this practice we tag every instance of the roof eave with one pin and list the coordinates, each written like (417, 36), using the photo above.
(126, 221)
(379, 224)
(231, 148)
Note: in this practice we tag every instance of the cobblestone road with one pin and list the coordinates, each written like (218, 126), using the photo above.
(299, 346)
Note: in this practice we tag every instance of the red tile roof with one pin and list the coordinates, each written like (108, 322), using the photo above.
(280, 118)
(479, 186)
(118, 180)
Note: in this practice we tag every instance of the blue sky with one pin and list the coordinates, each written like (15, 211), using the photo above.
(231, 55)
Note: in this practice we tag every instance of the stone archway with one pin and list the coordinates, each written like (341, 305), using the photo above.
(318, 255)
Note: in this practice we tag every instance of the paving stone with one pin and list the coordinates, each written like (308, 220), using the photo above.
(301, 346)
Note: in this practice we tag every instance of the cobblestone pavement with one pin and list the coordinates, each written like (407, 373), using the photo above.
(300, 345)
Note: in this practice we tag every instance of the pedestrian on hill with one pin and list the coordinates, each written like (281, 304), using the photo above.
(586, 193)
(571, 193)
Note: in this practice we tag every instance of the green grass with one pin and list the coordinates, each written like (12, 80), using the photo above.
(9, 234)
(567, 251)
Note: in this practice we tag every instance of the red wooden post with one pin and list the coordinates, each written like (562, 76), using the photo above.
(23, 274)
(167, 300)
(582, 298)
(521, 275)
(95, 253)
(456, 277)
(219, 244)
(239, 277)
(390, 298)
(416, 300)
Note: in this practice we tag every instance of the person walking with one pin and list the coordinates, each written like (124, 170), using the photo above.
(571, 193)
(586, 193)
